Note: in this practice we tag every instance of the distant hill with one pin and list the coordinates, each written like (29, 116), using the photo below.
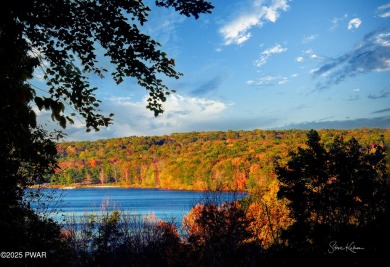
(232, 160)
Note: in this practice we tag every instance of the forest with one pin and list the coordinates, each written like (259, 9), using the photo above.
(315, 197)
(231, 160)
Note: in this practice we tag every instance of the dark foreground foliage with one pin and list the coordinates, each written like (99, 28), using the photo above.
(339, 199)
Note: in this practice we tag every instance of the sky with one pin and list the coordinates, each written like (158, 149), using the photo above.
(252, 64)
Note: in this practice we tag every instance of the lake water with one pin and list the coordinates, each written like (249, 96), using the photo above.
(163, 204)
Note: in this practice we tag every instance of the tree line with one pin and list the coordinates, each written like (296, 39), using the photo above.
(231, 160)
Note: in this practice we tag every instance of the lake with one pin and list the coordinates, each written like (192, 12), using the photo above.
(163, 204)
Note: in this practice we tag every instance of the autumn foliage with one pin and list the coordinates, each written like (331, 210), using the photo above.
(219, 235)
(232, 160)
(269, 216)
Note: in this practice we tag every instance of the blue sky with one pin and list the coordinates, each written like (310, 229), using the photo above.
(261, 65)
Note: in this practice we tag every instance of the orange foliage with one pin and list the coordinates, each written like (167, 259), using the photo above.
(93, 163)
(71, 150)
(241, 180)
(208, 221)
(168, 230)
(269, 215)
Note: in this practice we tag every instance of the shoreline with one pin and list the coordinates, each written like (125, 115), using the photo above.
(79, 186)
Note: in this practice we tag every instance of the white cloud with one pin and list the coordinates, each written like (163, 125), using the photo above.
(385, 15)
(383, 39)
(266, 54)
(132, 118)
(118, 99)
(386, 6)
(309, 38)
(309, 54)
(384, 11)
(277, 49)
(283, 81)
(354, 23)
(271, 12)
(261, 61)
(270, 78)
(244, 38)
(237, 30)
(314, 56)
(268, 81)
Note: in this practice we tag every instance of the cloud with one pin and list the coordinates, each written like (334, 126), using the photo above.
(277, 49)
(308, 39)
(382, 94)
(132, 118)
(314, 56)
(266, 54)
(336, 21)
(268, 81)
(354, 23)
(237, 31)
(283, 81)
(377, 122)
(309, 53)
(383, 39)
(384, 11)
(385, 15)
(209, 86)
(381, 111)
(372, 54)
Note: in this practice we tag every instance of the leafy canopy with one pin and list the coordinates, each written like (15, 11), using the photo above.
(64, 35)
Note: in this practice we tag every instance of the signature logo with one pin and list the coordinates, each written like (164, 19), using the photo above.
(349, 247)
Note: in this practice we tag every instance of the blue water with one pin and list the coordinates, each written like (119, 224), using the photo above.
(165, 205)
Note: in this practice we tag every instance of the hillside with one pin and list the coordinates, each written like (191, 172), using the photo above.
(232, 160)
